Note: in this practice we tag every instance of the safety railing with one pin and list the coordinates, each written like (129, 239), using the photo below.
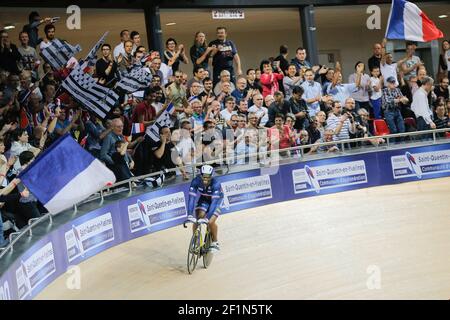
(109, 190)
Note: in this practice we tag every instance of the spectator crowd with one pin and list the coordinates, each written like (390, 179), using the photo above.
(220, 110)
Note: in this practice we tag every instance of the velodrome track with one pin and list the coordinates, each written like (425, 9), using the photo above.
(394, 238)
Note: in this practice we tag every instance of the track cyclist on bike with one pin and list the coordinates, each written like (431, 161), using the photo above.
(208, 204)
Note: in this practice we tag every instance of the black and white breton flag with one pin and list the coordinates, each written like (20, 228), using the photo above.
(91, 95)
(137, 79)
(163, 120)
(59, 52)
(91, 58)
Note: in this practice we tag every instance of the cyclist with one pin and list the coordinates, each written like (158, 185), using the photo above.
(208, 204)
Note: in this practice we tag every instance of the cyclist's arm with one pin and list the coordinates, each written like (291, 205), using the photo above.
(216, 199)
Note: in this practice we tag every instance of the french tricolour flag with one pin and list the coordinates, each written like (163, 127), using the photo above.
(408, 22)
(137, 128)
(64, 175)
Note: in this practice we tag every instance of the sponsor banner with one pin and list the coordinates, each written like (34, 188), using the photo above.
(316, 178)
(251, 189)
(89, 235)
(5, 287)
(146, 212)
(34, 270)
(420, 164)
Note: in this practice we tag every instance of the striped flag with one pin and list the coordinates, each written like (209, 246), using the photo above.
(91, 58)
(162, 121)
(91, 95)
(58, 53)
(137, 128)
(137, 79)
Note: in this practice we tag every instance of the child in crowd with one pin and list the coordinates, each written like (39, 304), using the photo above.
(376, 85)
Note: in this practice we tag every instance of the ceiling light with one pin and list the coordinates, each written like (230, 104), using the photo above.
(9, 27)
(171, 24)
(442, 16)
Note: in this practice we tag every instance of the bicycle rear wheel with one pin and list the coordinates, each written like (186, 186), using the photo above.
(193, 252)
(207, 256)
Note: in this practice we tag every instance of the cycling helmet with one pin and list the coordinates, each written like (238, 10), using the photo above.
(206, 170)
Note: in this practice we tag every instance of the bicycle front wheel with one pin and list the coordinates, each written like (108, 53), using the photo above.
(193, 252)
(207, 256)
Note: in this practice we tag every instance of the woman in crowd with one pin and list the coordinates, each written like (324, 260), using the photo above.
(173, 55)
(200, 52)
(269, 79)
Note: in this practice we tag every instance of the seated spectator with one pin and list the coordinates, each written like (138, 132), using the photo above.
(363, 128)
(314, 133)
(342, 124)
(106, 67)
(259, 109)
(241, 92)
(230, 109)
(420, 105)
(269, 79)
(299, 108)
(225, 77)
(291, 80)
(123, 164)
(21, 144)
(185, 148)
(327, 79)
(252, 83)
(195, 90)
(207, 94)
(225, 92)
(198, 115)
(213, 114)
(392, 99)
(328, 136)
(199, 75)
(109, 143)
(95, 132)
(243, 108)
(280, 136)
(326, 103)
(268, 100)
(441, 118)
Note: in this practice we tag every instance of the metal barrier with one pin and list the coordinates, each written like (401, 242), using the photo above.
(108, 191)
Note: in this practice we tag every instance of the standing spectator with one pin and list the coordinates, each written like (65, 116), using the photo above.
(442, 90)
(299, 109)
(392, 99)
(269, 79)
(200, 52)
(376, 84)
(361, 95)
(278, 106)
(342, 124)
(375, 59)
(136, 38)
(259, 110)
(120, 49)
(9, 55)
(21, 144)
(224, 52)
(312, 93)
(95, 132)
(314, 130)
(172, 56)
(300, 61)
(291, 80)
(412, 62)
(340, 91)
(125, 60)
(155, 66)
(164, 70)
(122, 161)
(328, 78)
(444, 60)
(145, 112)
(32, 28)
(282, 58)
(420, 105)
(49, 31)
(177, 93)
(106, 67)
(29, 58)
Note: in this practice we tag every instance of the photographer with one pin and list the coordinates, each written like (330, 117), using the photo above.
(362, 128)
(342, 123)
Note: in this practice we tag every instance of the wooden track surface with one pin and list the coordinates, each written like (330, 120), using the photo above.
(395, 237)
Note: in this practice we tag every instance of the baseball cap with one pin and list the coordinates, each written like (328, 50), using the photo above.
(391, 79)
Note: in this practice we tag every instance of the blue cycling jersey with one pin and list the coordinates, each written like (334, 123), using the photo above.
(211, 195)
